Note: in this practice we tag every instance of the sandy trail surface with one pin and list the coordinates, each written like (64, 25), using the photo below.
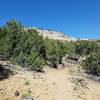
(55, 84)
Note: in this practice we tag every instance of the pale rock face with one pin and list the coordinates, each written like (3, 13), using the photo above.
(56, 35)
(53, 34)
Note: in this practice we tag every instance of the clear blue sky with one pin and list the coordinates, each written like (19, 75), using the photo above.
(78, 18)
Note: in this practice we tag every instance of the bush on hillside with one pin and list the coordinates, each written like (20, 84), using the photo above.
(98, 40)
(92, 64)
(28, 48)
(35, 61)
(55, 50)
(17, 44)
(9, 37)
(31, 50)
(86, 47)
(92, 52)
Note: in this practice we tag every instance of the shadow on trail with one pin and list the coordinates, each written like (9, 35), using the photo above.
(5, 72)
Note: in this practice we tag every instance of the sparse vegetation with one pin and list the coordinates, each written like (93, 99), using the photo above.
(27, 82)
(92, 52)
(92, 64)
(98, 40)
(25, 48)
(28, 48)
(86, 47)
(55, 50)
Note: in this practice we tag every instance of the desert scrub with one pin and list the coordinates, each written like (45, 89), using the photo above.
(92, 64)
(17, 44)
(55, 50)
(27, 82)
(87, 47)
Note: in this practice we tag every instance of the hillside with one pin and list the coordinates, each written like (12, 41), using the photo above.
(33, 67)
(53, 34)
(56, 35)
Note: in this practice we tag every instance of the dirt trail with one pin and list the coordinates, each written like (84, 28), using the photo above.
(63, 86)
(54, 84)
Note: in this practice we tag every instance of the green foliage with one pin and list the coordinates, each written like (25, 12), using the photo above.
(92, 51)
(92, 64)
(27, 48)
(35, 61)
(69, 47)
(31, 50)
(86, 47)
(9, 37)
(98, 40)
(56, 49)
(51, 47)
(17, 45)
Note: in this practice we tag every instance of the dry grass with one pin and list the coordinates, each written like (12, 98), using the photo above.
(51, 85)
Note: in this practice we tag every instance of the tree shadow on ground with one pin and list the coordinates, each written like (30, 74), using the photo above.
(5, 72)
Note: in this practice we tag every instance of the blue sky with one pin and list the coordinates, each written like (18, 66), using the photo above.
(77, 18)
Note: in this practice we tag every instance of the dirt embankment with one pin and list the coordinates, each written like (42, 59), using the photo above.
(55, 84)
